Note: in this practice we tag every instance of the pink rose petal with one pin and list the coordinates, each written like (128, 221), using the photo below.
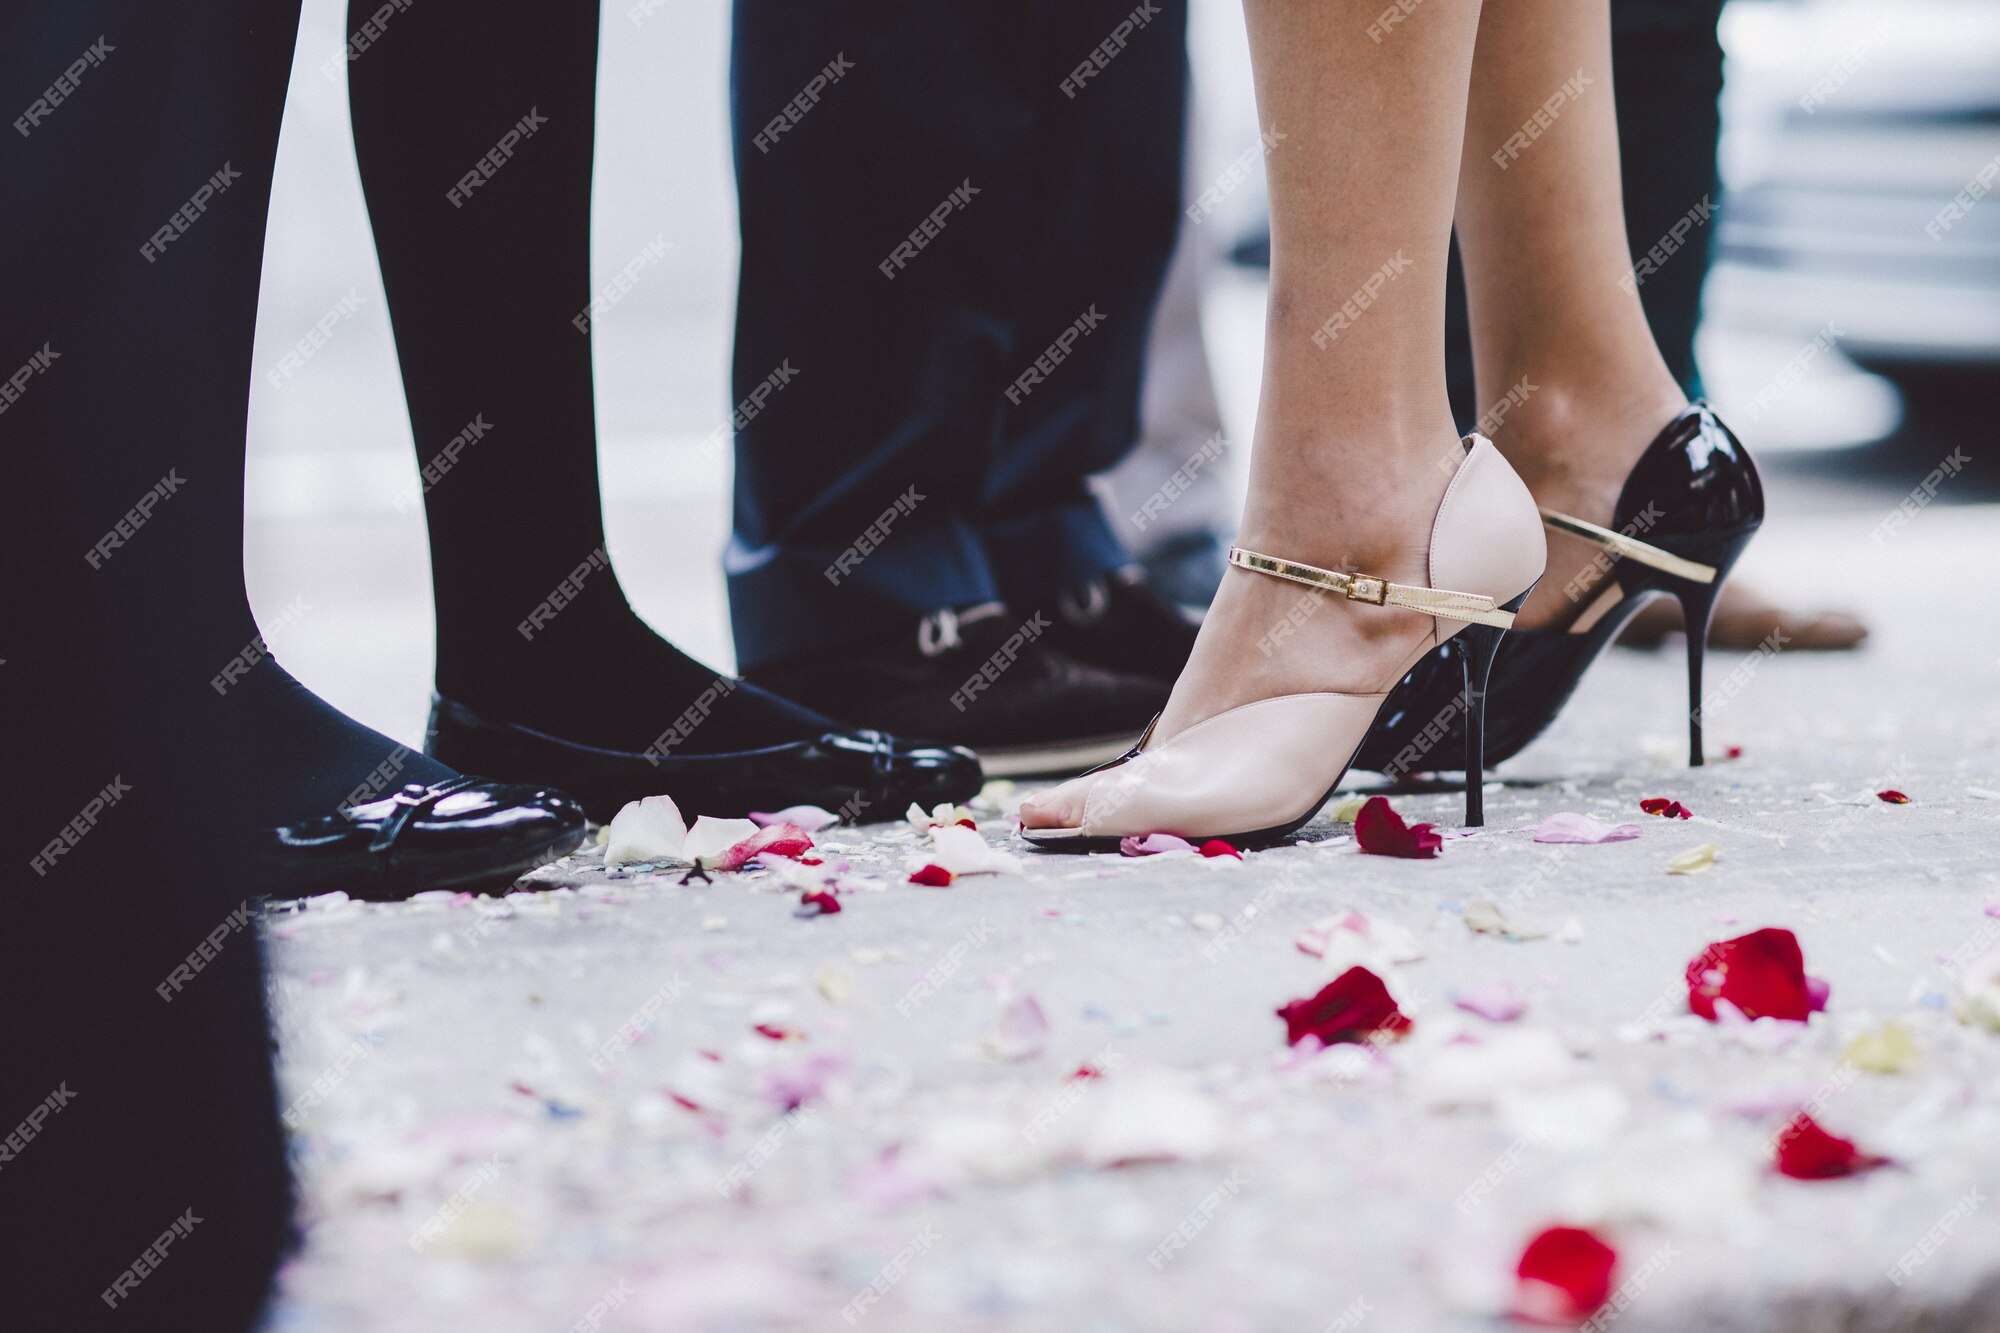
(1153, 844)
(1496, 1001)
(788, 840)
(1022, 1032)
(1570, 827)
(811, 818)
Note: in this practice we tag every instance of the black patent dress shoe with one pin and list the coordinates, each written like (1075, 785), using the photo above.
(464, 833)
(1689, 507)
(983, 677)
(1120, 622)
(859, 774)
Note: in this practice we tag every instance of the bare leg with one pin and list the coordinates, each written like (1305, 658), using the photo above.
(1541, 228)
(1353, 420)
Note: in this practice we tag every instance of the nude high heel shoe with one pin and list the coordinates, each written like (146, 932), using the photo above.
(1258, 772)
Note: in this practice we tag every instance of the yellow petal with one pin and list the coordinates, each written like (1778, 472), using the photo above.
(1345, 812)
(1694, 860)
(1889, 1049)
(835, 983)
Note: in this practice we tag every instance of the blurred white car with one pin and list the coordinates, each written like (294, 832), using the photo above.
(1860, 164)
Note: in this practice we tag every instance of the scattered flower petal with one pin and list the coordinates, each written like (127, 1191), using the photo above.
(962, 851)
(1568, 827)
(1486, 918)
(1353, 938)
(818, 903)
(1762, 974)
(1576, 1117)
(773, 840)
(835, 982)
(1381, 832)
(1023, 1030)
(1495, 1001)
(945, 815)
(1500, 1061)
(931, 876)
(1892, 797)
(1355, 1006)
(1977, 1001)
(1804, 1151)
(1153, 844)
(1344, 812)
(1564, 1276)
(1145, 1115)
(778, 1033)
(1889, 1049)
(793, 1086)
(1733, 752)
(811, 818)
(1666, 809)
(650, 829)
(711, 840)
(1693, 861)
(1217, 847)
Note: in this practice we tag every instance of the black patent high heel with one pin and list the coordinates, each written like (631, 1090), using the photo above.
(1688, 509)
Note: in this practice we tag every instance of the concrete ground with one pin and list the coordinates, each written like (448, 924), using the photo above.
(479, 1148)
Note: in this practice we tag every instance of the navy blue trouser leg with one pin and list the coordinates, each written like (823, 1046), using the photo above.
(955, 222)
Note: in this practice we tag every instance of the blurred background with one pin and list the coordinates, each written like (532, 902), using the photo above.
(1851, 326)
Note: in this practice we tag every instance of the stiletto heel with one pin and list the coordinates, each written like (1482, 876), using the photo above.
(1256, 773)
(1697, 609)
(1691, 504)
(1476, 659)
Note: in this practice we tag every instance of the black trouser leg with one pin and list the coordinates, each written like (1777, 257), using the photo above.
(135, 180)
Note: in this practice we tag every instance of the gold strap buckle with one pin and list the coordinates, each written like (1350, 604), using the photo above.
(1365, 588)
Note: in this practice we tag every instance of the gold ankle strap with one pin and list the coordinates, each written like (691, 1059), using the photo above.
(1468, 606)
(1630, 548)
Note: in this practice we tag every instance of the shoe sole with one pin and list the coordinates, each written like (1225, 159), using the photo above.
(1076, 840)
(1062, 759)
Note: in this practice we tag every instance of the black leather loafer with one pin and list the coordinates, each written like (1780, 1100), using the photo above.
(863, 775)
(466, 833)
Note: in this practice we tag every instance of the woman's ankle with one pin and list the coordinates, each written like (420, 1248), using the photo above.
(1582, 436)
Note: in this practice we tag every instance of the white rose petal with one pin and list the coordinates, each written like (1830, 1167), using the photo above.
(650, 829)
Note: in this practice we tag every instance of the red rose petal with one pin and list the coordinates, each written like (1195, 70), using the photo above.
(1217, 847)
(1892, 796)
(821, 899)
(682, 1101)
(1381, 832)
(931, 877)
(1762, 973)
(1804, 1151)
(776, 1033)
(1564, 1276)
(967, 823)
(1733, 752)
(1660, 805)
(1354, 1006)
(1088, 1071)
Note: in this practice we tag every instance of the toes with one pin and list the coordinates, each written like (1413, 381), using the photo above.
(1058, 807)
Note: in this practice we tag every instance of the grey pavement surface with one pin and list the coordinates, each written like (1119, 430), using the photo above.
(465, 1163)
